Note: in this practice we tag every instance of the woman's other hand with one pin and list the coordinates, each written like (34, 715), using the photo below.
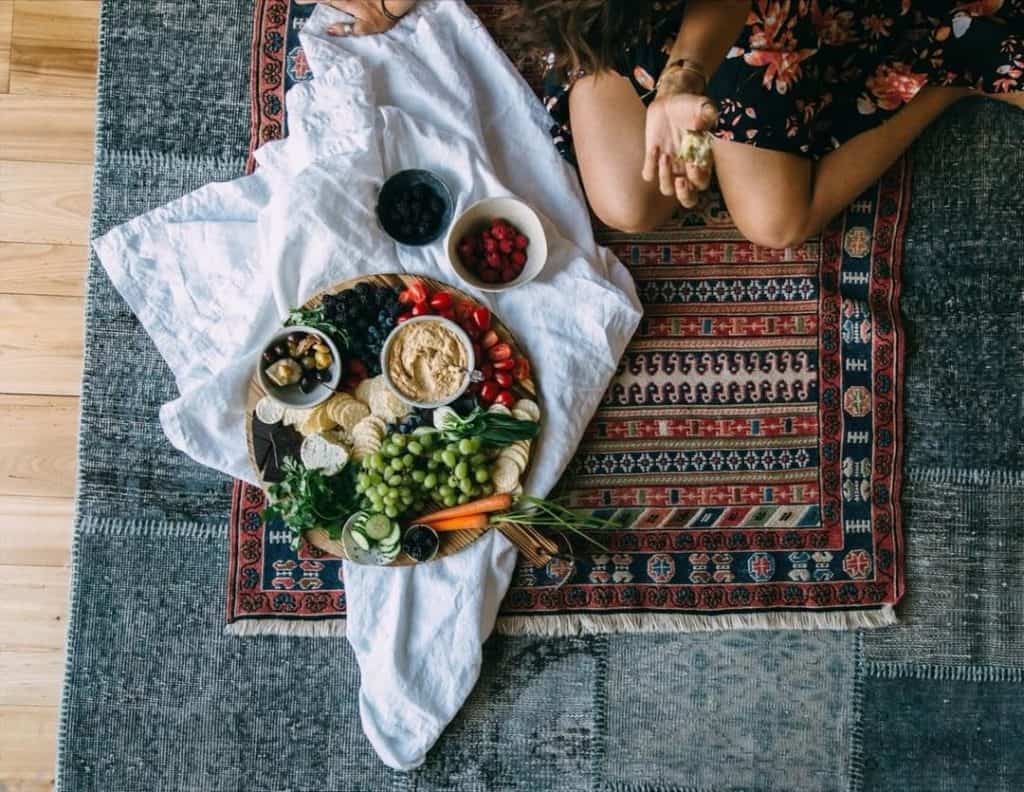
(680, 105)
(370, 16)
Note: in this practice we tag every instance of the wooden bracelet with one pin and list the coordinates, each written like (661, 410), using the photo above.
(391, 17)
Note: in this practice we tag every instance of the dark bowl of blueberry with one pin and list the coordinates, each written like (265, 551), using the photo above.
(420, 542)
(415, 207)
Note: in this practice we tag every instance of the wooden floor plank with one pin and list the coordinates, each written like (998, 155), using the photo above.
(34, 620)
(37, 445)
(53, 48)
(57, 270)
(6, 24)
(35, 531)
(45, 203)
(47, 128)
(40, 345)
(27, 737)
(32, 677)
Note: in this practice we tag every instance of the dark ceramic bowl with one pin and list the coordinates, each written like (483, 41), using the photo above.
(415, 207)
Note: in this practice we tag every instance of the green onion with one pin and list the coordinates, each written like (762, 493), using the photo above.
(540, 513)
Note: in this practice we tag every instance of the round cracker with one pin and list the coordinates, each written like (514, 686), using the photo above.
(350, 414)
(370, 426)
(293, 416)
(384, 404)
(364, 390)
(269, 411)
(505, 475)
(334, 405)
(317, 422)
(530, 407)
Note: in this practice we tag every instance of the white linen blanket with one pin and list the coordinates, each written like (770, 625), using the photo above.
(211, 276)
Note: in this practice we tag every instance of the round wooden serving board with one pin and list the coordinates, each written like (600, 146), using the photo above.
(451, 541)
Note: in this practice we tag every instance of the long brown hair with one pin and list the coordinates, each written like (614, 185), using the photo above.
(583, 34)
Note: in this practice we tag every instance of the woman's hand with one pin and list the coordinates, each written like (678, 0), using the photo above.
(679, 106)
(371, 16)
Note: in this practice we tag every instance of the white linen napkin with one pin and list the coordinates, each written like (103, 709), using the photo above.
(211, 275)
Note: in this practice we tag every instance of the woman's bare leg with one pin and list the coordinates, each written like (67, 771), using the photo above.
(607, 119)
(779, 199)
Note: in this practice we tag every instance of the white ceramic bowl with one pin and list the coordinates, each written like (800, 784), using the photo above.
(466, 343)
(478, 216)
(292, 395)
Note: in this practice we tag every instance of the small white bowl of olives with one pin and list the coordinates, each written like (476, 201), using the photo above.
(300, 367)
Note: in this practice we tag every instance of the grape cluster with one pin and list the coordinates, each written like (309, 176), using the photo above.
(411, 473)
(369, 313)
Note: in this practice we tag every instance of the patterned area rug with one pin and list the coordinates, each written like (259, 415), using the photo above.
(750, 440)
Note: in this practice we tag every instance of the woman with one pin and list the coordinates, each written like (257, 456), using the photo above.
(809, 101)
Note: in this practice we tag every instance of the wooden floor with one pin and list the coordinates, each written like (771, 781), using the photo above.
(47, 87)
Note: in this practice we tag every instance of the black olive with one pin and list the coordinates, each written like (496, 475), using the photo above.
(323, 375)
(296, 338)
(281, 351)
(269, 356)
(307, 383)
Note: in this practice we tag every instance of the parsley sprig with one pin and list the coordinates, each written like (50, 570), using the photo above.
(306, 498)
(315, 318)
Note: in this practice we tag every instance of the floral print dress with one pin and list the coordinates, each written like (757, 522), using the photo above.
(807, 75)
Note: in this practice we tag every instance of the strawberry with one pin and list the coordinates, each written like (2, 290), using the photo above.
(521, 242)
(518, 259)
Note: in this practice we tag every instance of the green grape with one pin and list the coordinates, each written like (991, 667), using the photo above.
(391, 450)
(462, 499)
(409, 460)
(465, 447)
(487, 489)
(477, 460)
(438, 456)
(453, 480)
(391, 511)
(462, 470)
(407, 500)
(430, 482)
(375, 479)
(415, 448)
(382, 489)
(445, 490)
(466, 486)
(399, 440)
(482, 475)
(395, 480)
(419, 476)
(433, 464)
(449, 458)
(404, 492)
(450, 500)
(426, 440)
(362, 480)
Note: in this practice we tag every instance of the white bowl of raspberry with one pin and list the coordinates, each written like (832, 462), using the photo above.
(497, 244)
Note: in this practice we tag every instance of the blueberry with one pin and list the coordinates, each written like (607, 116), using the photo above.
(405, 229)
(436, 206)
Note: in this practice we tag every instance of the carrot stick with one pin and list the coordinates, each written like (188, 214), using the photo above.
(466, 522)
(491, 503)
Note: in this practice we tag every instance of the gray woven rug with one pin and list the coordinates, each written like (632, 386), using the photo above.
(158, 698)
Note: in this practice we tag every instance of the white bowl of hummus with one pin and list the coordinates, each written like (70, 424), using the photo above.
(428, 361)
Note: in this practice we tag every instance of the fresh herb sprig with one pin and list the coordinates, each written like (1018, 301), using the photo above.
(494, 429)
(306, 498)
(543, 514)
(317, 319)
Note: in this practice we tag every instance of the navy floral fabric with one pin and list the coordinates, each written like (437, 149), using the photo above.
(807, 75)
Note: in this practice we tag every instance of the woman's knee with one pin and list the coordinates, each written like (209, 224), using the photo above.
(775, 229)
(629, 213)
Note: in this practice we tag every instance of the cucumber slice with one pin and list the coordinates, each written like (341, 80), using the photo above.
(378, 527)
(390, 555)
(394, 537)
(360, 539)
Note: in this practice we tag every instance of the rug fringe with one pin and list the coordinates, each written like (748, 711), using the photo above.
(289, 628)
(596, 624)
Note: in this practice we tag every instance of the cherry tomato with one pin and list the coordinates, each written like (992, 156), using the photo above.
(505, 398)
(499, 352)
(404, 317)
(420, 309)
(489, 339)
(521, 370)
(503, 378)
(487, 370)
(441, 301)
(476, 351)
(504, 365)
(448, 314)
(489, 391)
(482, 318)
(418, 291)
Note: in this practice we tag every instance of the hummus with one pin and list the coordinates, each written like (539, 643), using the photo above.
(427, 361)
